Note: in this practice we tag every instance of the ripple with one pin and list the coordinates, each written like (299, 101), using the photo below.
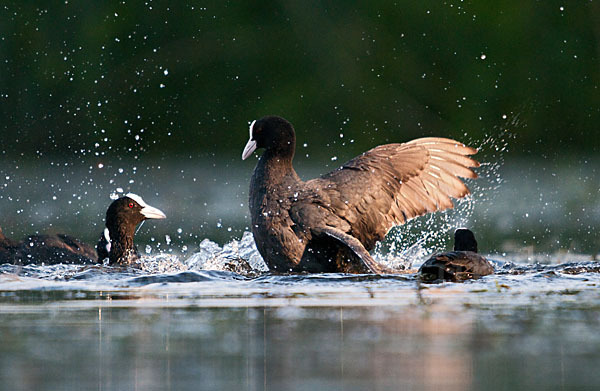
(184, 277)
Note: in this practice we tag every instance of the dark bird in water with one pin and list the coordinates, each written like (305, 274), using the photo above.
(329, 224)
(461, 264)
(46, 249)
(122, 218)
(116, 243)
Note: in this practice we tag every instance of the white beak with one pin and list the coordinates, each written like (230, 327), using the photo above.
(151, 212)
(251, 145)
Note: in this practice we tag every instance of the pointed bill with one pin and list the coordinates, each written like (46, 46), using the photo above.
(151, 212)
(251, 145)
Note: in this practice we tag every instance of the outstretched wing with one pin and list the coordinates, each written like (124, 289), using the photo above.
(393, 183)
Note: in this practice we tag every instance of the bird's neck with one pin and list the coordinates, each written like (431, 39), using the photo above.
(122, 249)
(273, 168)
(465, 246)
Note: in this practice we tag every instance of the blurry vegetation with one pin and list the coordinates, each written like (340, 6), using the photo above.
(185, 77)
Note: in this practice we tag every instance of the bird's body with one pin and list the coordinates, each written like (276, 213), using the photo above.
(329, 224)
(461, 264)
(122, 217)
(57, 248)
(47, 249)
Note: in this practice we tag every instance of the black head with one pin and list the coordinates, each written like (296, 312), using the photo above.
(122, 216)
(127, 212)
(273, 133)
(464, 240)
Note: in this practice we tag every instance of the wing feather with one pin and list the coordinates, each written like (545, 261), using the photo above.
(393, 183)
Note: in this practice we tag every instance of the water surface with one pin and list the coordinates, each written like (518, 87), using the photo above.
(202, 313)
(69, 327)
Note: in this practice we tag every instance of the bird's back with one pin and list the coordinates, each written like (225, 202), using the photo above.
(455, 266)
(53, 249)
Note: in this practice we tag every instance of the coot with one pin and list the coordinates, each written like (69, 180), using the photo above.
(329, 224)
(116, 243)
(461, 264)
(122, 218)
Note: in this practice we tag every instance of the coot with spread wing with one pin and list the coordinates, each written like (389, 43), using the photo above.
(329, 224)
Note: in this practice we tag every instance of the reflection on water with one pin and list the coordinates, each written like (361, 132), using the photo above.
(65, 327)
(232, 349)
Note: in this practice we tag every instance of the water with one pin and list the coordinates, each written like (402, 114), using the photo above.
(201, 311)
(174, 325)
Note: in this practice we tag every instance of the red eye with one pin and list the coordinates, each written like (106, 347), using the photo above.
(131, 204)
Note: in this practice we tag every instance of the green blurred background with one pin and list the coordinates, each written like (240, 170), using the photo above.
(159, 93)
(83, 77)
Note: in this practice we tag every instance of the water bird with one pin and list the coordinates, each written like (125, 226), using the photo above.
(116, 243)
(122, 217)
(461, 264)
(329, 224)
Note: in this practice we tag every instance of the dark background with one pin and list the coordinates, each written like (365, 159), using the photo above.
(78, 78)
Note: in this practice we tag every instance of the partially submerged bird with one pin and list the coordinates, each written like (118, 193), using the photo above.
(122, 218)
(461, 264)
(329, 224)
(47, 249)
(116, 243)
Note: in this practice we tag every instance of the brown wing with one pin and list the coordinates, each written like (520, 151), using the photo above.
(391, 184)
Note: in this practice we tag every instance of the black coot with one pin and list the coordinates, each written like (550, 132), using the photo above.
(116, 243)
(461, 264)
(46, 249)
(122, 218)
(330, 224)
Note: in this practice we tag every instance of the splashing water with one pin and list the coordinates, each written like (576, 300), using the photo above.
(239, 256)
(162, 263)
(413, 241)
(404, 246)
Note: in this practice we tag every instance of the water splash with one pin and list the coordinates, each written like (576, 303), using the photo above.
(239, 256)
(413, 241)
(404, 246)
(161, 263)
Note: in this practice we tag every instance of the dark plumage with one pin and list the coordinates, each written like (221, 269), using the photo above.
(329, 224)
(122, 217)
(47, 249)
(461, 264)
